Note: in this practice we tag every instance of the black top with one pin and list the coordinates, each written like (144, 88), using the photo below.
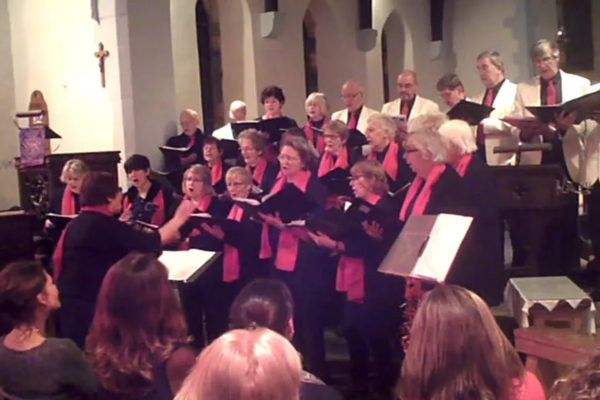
(405, 174)
(92, 243)
(271, 172)
(182, 140)
(54, 370)
(143, 209)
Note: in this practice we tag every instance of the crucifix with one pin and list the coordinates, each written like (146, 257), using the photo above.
(101, 54)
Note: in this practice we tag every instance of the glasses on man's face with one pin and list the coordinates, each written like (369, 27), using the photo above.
(247, 149)
(545, 60)
(349, 96)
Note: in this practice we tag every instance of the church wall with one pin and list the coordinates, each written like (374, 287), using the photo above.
(186, 66)
(53, 45)
(9, 195)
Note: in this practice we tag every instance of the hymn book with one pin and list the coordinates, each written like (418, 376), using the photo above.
(290, 202)
(60, 220)
(584, 106)
(274, 127)
(426, 247)
(187, 265)
(470, 112)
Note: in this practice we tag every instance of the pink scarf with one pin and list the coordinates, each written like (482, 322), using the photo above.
(159, 215)
(327, 163)
(423, 198)
(463, 164)
(202, 207)
(390, 162)
(67, 206)
(231, 259)
(259, 170)
(310, 135)
(287, 246)
(60, 247)
(350, 277)
(216, 172)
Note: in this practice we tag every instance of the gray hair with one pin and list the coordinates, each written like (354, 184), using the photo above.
(494, 57)
(459, 134)
(429, 121)
(385, 122)
(429, 143)
(321, 100)
(539, 48)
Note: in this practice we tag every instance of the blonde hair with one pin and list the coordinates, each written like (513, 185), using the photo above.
(475, 361)
(458, 133)
(429, 143)
(373, 170)
(431, 120)
(339, 128)
(256, 364)
(75, 167)
(319, 99)
(202, 172)
(239, 172)
(384, 122)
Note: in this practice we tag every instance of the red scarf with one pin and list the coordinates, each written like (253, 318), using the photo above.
(68, 206)
(463, 164)
(350, 276)
(202, 206)
(390, 161)
(231, 259)
(327, 163)
(310, 135)
(60, 247)
(159, 215)
(216, 173)
(287, 246)
(423, 198)
(259, 170)
(192, 140)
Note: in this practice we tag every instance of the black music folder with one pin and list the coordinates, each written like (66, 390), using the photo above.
(169, 150)
(470, 112)
(274, 127)
(583, 105)
(227, 225)
(290, 202)
(356, 139)
(60, 220)
(426, 247)
(337, 182)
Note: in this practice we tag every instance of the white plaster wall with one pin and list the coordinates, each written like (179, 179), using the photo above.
(9, 194)
(186, 65)
(53, 46)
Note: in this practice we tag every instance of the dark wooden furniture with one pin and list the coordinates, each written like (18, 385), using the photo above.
(39, 184)
(16, 236)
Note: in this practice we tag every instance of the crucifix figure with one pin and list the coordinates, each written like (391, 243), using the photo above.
(101, 54)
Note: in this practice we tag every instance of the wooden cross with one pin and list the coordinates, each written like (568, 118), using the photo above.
(101, 54)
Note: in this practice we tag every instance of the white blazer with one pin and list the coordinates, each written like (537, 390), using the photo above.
(528, 94)
(497, 132)
(365, 113)
(421, 106)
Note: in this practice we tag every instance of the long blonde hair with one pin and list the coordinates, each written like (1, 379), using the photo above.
(256, 364)
(457, 351)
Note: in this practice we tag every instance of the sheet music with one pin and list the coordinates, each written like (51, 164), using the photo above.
(184, 265)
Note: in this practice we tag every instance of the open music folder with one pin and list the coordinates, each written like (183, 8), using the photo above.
(470, 112)
(187, 265)
(426, 247)
(583, 106)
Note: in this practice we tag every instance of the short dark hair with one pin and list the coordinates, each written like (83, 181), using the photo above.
(263, 302)
(97, 188)
(449, 81)
(212, 140)
(272, 91)
(137, 162)
(20, 283)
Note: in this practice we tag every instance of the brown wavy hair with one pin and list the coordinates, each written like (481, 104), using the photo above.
(457, 351)
(137, 325)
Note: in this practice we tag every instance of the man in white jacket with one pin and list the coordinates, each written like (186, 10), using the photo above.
(409, 103)
(355, 114)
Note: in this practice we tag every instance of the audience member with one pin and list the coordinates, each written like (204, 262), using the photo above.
(581, 383)
(457, 351)
(31, 365)
(136, 344)
(256, 364)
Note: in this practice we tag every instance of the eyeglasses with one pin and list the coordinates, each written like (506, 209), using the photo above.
(350, 96)
(283, 157)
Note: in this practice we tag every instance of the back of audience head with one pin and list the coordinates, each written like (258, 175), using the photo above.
(255, 364)
(264, 302)
(475, 361)
(137, 323)
(580, 383)
(25, 290)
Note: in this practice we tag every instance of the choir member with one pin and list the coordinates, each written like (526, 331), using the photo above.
(451, 89)
(200, 298)
(72, 176)
(296, 261)
(355, 114)
(213, 154)
(137, 341)
(371, 307)
(499, 93)
(33, 366)
(190, 138)
(381, 131)
(273, 100)
(458, 351)
(485, 256)
(146, 200)
(253, 145)
(237, 113)
(409, 103)
(92, 242)
(317, 110)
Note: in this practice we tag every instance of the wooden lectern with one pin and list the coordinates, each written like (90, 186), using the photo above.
(39, 184)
